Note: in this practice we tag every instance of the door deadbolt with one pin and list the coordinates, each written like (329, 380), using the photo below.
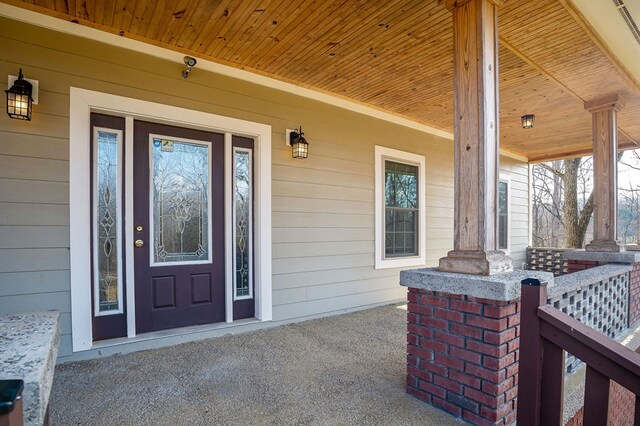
(139, 243)
(139, 228)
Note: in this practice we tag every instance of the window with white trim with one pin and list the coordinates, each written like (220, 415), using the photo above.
(400, 208)
(504, 213)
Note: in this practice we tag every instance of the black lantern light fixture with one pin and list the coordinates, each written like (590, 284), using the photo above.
(527, 121)
(299, 145)
(19, 99)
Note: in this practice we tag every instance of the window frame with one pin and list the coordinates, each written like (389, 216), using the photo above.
(503, 178)
(381, 155)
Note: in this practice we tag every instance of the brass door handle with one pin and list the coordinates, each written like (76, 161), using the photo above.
(138, 243)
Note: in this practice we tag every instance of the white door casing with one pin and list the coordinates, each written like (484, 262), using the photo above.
(82, 103)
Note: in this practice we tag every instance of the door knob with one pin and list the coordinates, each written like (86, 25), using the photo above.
(138, 243)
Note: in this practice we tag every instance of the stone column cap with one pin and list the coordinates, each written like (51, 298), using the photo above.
(603, 256)
(501, 287)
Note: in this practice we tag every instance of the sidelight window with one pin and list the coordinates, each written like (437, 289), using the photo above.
(242, 223)
(504, 212)
(107, 206)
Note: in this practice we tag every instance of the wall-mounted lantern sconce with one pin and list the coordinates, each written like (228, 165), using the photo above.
(527, 121)
(190, 62)
(20, 97)
(299, 145)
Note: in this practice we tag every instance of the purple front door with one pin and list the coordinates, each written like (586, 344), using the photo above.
(178, 227)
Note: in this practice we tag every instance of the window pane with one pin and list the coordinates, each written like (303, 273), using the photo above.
(502, 232)
(401, 233)
(107, 199)
(242, 215)
(401, 185)
(401, 201)
(180, 201)
(502, 197)
(503, 211)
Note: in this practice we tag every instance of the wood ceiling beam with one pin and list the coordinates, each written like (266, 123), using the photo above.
(573, 154)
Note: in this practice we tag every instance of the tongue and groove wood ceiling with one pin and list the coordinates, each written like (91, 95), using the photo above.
(392, 55)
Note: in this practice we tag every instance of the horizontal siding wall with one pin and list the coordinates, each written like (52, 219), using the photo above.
(323, 207)
(518, 172)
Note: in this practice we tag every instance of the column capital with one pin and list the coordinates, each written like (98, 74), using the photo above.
(613, 101)
(453, 4)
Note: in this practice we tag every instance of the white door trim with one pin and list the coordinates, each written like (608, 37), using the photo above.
(82, 103)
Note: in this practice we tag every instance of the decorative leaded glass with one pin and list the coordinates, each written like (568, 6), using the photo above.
(242, 217)
(180, 181)
(503, 214)
(401, 209)
(107, 198)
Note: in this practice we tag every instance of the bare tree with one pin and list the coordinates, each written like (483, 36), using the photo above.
(563, 201)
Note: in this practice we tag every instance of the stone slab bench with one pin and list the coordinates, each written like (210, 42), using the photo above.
(28, 351)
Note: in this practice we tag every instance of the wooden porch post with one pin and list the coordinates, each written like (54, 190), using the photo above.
(475, 139)
(605, 172)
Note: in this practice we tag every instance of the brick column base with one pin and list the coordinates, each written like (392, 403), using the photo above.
(462, 355)
(580, 265)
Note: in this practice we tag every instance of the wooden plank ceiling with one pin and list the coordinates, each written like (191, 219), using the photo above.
(394, 55)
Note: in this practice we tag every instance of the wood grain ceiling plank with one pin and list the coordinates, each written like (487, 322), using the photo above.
(411, 58)
(239, 12)
(160, 20)
(179, 16)
(123, 14)
(243, 33)
(362, 46)
(85, 9)
(266, 50)
(262, 31)
(324, 26)
(108, 10)
(49, 4)
(210, 32)
(62, 7)
(194, 24)
(142, 16)
(425, 74)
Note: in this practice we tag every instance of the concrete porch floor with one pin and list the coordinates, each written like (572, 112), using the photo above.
(342, 370)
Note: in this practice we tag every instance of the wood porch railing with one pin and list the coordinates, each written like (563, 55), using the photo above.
(546, 334)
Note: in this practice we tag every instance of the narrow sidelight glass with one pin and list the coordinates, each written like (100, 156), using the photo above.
(242, 217)
(107, 205)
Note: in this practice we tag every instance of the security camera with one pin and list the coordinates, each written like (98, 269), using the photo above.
(190, 62)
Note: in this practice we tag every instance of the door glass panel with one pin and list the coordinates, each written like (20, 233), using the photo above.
(180, 201)
(242, 218)
(107, 220)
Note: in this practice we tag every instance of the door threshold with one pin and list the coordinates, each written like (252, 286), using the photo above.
(206, 329)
